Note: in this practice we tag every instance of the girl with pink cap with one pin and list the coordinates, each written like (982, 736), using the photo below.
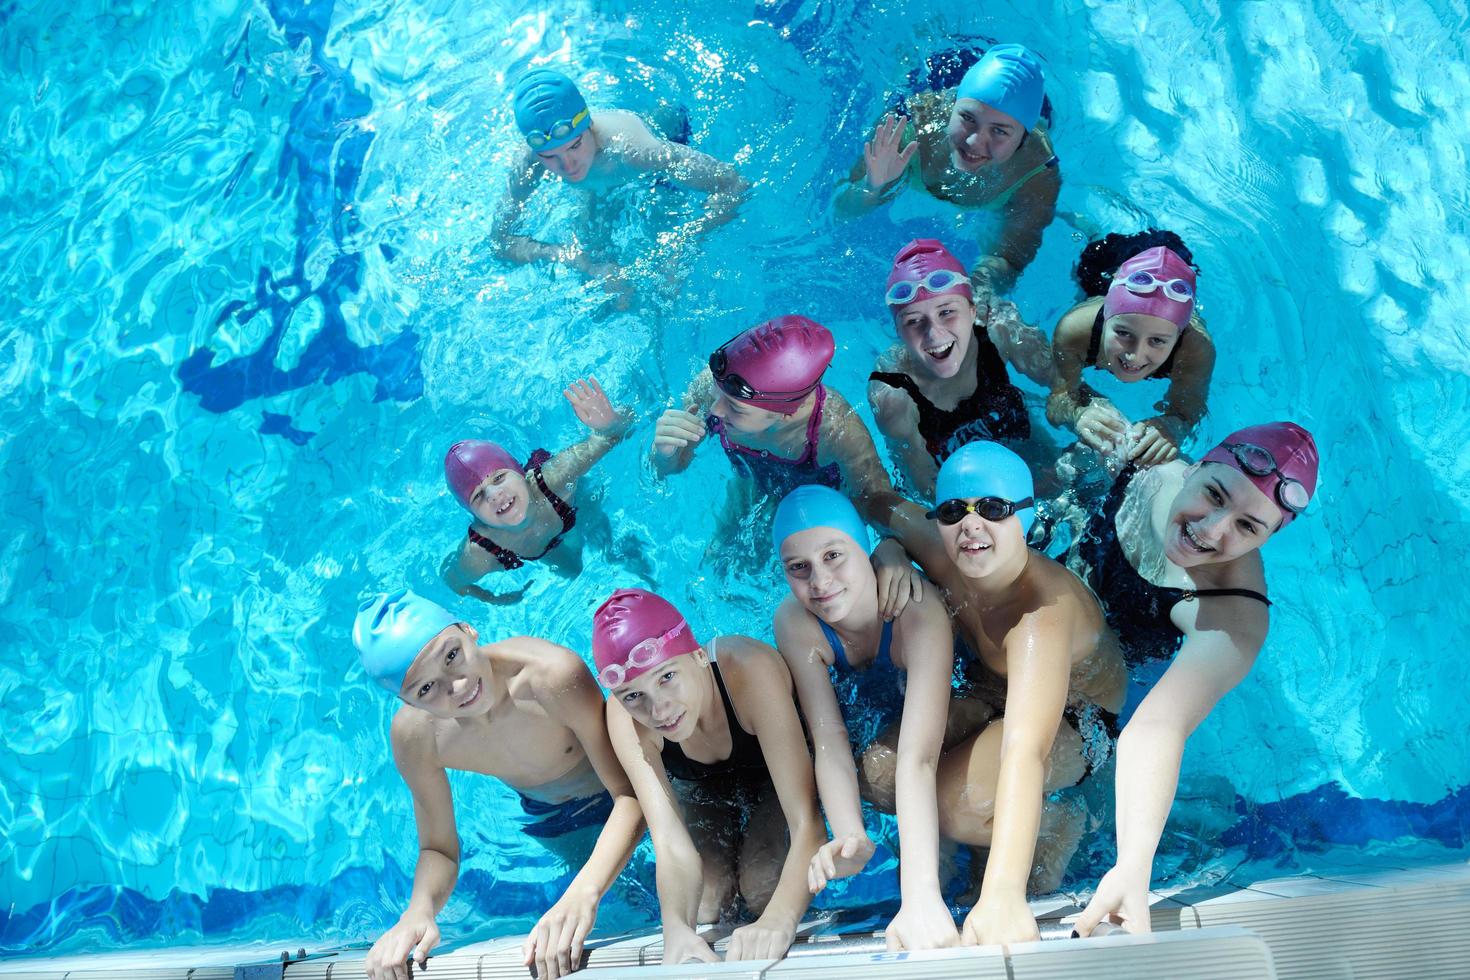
(1174, 556)
(1144, 327)
(982, 145)
(525, 512)
(763, 398)
(945, 383)
(731, 762)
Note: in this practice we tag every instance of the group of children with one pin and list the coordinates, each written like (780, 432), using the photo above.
(986, 679)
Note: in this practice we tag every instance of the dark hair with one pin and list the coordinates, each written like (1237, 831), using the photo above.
(1100, 259)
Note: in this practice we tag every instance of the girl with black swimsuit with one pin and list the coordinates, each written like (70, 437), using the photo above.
(945, 383)
(1174, 557)
(525, 512)
(715, 753)
(1138, 322)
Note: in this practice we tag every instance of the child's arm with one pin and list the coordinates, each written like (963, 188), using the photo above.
(836, 771)
(1022, 344)
(689, 168)
(678, 870)
(609, 427)
(679, 431)
(1038, 668)
(898, 420)
(879, 174)
(1183, 405)
(417, 757)
(566, 690)
(764, 701)
(924, 635)
(466, 566)
(853, 449)
(1097, 423)
(1025, 218)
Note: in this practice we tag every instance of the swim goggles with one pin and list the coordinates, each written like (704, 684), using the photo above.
(643, 655)
(990, 508)
(737, 387)
(1143, 282)
(937, 281)
(560, 131)
(1258, 461)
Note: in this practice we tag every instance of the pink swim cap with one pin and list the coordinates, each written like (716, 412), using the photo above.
(1293, 450)
(635, 631)
(913, 265)
(470, 461)
(775, 365)
(1163, 265)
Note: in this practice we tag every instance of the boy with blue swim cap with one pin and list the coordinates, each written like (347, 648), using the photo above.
(1040, 650)
(521, 709)
(982, 145)
(598, 152)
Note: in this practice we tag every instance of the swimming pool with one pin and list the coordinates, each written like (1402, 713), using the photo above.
(247, 303)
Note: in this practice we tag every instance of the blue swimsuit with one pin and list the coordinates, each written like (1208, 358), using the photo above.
(871, 698)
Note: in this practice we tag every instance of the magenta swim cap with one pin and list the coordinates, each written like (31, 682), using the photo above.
(1147, 290)
(1293, 453)
(915, 263)
(635, 631)
(775, 365)
(470, 461)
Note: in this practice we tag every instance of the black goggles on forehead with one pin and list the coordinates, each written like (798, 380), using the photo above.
(1258, 461)
(989, 508)
(737, 387)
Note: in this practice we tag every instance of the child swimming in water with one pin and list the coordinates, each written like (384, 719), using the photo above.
(1144, 327)
(982, 146)
(763, 398)
(522, 710)
(597, 153)
(1175, 558)
(525, 512)
(945, 382)
(715, 751)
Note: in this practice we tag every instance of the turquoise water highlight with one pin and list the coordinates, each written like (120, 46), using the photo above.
(247, 302)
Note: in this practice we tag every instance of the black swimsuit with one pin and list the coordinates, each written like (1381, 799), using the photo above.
(995, 410)
(1136, 609)
(745, 758)
(509, 559)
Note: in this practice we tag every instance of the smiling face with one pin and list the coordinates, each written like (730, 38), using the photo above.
(502, 500)
(980, 136)
(827, 571)
(1135, 345)
(1218, 515)
(670, 698)
(573, 160)
(937, 332)
(450, 677)
(980, 548)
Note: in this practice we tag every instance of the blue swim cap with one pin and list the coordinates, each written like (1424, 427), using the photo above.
(390, 630)
(1009, 80)
(549, 110)
(812, 506)
(987, 469)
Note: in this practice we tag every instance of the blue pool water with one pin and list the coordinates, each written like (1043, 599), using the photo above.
(246, 302)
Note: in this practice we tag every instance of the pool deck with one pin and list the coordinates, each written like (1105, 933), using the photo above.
(1349, 923)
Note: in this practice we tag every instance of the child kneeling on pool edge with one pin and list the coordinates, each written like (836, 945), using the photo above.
(521, 709)
(716, 753)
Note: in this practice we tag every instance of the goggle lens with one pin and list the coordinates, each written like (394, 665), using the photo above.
(1178, 290)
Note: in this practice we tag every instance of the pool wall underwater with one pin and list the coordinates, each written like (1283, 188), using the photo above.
(247, 300)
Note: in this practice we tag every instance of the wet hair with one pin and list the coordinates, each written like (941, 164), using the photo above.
(1101, 258)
